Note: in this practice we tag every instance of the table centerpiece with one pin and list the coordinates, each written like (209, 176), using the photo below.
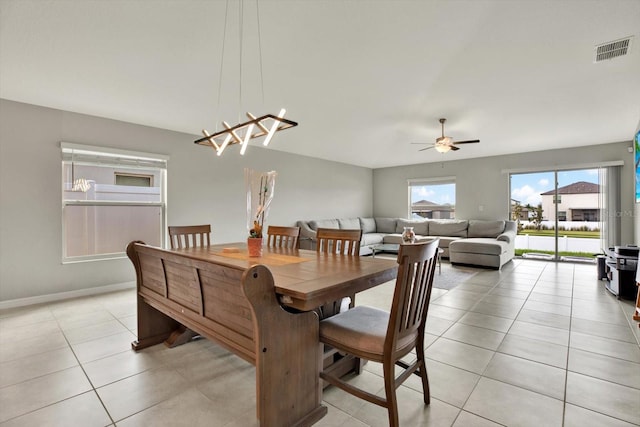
(260, 187)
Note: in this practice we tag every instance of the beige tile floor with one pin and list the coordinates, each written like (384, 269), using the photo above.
(536, 344)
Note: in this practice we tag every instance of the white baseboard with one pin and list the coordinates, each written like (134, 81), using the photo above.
(42, 299)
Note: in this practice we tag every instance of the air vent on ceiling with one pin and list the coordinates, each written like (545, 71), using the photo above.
(610, 50)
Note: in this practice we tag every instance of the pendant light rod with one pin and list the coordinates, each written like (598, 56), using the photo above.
(266, 125)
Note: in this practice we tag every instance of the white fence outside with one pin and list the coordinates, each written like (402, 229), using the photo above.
(565, 244)
(567, 225)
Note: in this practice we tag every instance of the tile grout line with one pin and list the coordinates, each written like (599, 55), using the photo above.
(566, 368)
(93, 388)
(481, 375)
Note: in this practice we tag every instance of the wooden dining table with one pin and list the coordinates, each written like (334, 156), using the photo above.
(304, 279)
(222, 293)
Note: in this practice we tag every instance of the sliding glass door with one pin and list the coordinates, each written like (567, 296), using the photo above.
(559, 214)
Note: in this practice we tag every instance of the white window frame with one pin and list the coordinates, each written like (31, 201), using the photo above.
(132, 175)
(413, 182)
(88, 154)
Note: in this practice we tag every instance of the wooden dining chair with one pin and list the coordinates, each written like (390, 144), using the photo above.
(283, 237)
(189, 236)
(343, 242)
(386, 337)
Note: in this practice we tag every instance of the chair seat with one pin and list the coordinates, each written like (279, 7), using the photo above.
(361, 330)
(347, 327)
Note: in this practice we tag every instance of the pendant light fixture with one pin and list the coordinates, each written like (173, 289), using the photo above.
(79, 184)
(266, 125)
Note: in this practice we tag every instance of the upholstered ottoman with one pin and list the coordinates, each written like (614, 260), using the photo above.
(489, 244)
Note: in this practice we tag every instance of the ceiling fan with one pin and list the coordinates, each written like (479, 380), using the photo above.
(445, 143)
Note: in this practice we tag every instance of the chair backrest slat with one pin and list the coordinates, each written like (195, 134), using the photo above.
(283, 237)
(339, 241)
(417, 263)
(186, 236)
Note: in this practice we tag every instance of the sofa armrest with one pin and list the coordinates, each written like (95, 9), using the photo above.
(507, 236)
(306, 231)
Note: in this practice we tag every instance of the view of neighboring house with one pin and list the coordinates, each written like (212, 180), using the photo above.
(431, 210)
(524, 210)
(576, 202)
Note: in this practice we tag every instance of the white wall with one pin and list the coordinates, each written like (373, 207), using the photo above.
(482, 182)
(202, 188)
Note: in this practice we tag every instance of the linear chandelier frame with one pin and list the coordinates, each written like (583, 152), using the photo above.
(266, 125)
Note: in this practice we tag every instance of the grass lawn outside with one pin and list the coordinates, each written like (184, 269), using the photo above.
(519, 253)
(561, 233)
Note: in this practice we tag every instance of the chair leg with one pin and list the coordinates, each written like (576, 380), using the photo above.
(390, 392)
(426, 394)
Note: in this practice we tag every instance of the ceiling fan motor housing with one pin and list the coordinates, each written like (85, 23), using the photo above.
(446, 143)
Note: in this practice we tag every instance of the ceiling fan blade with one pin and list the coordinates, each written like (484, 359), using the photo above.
(421, 143)
(454, 148)
(426, 148)
(471, 141)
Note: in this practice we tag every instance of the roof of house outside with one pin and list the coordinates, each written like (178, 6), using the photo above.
(580, 187)
(426, 205)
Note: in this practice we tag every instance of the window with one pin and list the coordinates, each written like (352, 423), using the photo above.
(137, 180)
(109, 198)
(432, 198)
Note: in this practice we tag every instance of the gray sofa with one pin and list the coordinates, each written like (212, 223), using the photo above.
(473, 242)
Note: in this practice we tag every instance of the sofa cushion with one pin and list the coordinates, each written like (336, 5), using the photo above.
(445, 241)
(372, 239)
(448, 227)
(323, 223)
(393, 238)
(419, 227)
(368, 225)
(386, 225)
(349, 223)
(479, 245)
(478, 228)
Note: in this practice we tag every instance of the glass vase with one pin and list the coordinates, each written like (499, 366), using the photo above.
(408, 235)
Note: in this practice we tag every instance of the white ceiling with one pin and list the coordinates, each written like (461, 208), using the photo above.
(364, 79)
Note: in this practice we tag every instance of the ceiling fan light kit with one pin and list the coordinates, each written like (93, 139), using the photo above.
(444, 144)
(442, 148)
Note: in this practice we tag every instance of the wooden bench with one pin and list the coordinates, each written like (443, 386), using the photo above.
(237, 308)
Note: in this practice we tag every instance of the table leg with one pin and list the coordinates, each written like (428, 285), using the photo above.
(288, 356)
(154, 326)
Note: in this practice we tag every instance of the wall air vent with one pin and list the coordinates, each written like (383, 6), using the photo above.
(614, 49)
